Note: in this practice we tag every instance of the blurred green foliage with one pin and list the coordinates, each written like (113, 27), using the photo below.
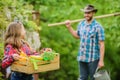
(11, 10)
(1, 50)
(60, 40)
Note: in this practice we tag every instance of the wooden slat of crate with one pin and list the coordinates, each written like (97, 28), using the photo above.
(27, 66)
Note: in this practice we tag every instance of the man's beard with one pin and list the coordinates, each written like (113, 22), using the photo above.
(89, 19)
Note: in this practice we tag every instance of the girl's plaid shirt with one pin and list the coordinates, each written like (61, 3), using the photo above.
(9, 51)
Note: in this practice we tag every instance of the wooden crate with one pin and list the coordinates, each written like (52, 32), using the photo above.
(27, 67)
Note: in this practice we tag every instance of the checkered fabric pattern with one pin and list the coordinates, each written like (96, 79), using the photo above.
(90, 35)
(9, 51)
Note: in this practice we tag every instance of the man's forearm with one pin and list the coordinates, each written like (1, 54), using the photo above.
(102, 50)
(73, 32)
(101, 60)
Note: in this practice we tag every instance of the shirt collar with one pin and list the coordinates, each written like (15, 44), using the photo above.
(93, 20)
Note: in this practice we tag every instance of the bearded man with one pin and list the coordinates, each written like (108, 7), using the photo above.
(91, 51)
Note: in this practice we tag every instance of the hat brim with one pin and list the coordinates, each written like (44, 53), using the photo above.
(94, 10)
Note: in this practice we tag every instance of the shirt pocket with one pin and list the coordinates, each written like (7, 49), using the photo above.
(92, 33)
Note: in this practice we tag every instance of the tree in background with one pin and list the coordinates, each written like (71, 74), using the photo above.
(59, 39)
(11, 10)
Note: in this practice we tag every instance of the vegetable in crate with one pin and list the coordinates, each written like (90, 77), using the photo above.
(37, 57)
(23, 56)
(46, 54)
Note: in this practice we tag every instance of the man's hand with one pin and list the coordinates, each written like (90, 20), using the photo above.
(68, 23)
(71, 30)
(101, 61)
(100, 64)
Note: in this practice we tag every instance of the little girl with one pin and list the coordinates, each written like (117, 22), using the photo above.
(14, 43)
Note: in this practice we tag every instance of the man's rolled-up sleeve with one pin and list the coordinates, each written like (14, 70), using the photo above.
(101, 34)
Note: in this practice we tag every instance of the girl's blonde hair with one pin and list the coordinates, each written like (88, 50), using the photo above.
(14, 34)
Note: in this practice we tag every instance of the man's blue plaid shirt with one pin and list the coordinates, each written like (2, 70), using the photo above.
(90, 35)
